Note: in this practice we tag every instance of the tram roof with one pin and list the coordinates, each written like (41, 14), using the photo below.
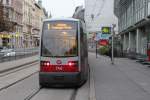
(57, 19)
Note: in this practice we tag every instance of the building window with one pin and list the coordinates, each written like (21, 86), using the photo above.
(149, 8)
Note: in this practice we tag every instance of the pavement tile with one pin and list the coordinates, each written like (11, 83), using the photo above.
(126, 80)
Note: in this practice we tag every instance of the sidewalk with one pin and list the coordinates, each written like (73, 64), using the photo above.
(126, 80)
(17, 63)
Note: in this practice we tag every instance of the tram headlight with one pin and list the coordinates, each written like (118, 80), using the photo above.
(45, 63)
(73, 63)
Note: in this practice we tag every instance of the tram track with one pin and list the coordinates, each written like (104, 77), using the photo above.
(31, 96)
(16, 75)
(70, 94)
(73, 96)
(7, 86)
(54, 93)
(16, 69)
(17, 66)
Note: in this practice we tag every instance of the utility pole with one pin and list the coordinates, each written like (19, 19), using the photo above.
(112, 47)
(96, 44)
(96, 50)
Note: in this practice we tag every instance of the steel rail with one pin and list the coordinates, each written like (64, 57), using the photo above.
(9, 69)
(18, 81)
(16, 69)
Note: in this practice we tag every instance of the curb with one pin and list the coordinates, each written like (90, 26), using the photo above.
(92, 87)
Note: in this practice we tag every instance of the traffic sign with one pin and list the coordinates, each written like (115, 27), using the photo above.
(97, 37)
(105, 36)
(100, 36)
(106, 30)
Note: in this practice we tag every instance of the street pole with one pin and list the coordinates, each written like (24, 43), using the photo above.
(96, 49)
(112, 52)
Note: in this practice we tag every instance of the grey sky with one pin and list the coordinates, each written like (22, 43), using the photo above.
(61, 8)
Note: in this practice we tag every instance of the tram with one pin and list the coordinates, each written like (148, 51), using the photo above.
(63, 53)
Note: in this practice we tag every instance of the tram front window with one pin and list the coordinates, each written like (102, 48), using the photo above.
(59, 39)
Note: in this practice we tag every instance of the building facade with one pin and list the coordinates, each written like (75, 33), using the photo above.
(134, 24)
(28, 8)
(11, 22)
(20, 23)
(17, 40)
(33, 15)
(39, 15)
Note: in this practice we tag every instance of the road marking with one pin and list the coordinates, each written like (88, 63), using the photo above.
(92, 86)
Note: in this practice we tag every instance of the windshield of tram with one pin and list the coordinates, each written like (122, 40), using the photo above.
(59, 39)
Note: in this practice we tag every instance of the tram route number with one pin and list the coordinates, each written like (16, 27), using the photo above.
(59, 68)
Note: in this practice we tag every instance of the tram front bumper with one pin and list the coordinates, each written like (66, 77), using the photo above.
(64, 79)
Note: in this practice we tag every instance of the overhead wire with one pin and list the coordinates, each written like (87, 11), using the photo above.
(94, 7)
(74, 3)
(101, 8)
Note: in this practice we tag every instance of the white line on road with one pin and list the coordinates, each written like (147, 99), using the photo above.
(92, 86)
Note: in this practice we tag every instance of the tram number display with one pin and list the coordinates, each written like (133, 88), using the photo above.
(59, 68)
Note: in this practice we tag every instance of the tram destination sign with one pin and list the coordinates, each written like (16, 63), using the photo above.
(60, 26)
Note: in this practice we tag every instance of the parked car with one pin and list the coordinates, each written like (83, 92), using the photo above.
(8, 52)
(1, 53)
(13, 53)
(1, 48)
